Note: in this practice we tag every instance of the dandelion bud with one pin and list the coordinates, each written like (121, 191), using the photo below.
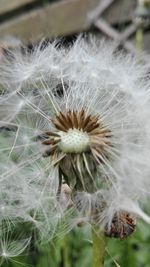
(123, 225)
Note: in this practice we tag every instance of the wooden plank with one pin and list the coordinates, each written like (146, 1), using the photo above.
(99, 10)
(9, 5)
(61, 18)
(120, 11)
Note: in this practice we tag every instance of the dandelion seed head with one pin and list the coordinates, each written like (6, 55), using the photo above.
(75, 134)
(78, 116)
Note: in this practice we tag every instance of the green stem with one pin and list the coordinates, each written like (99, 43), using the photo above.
(66, 258)
(98, 247)
(139, 42)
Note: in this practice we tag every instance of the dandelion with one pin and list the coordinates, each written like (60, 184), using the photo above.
(79, 117)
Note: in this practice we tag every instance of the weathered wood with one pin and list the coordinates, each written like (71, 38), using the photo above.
(61, 18)
(100, 8)
(52, 20)
(120, 11)
(9, 5)
(70, 16)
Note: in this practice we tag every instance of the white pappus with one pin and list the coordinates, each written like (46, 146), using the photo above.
(79, 116)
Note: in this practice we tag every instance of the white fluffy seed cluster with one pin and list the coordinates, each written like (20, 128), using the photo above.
(34, 87)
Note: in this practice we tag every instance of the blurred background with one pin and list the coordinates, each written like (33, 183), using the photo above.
(31, 20)
(127, 22)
